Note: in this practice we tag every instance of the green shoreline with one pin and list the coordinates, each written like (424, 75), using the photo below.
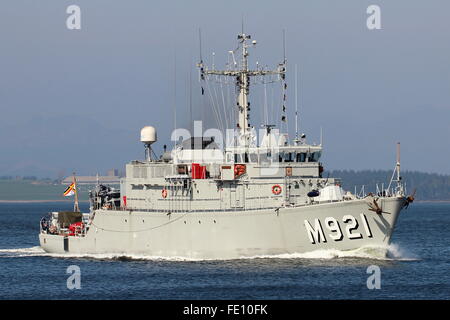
(38, 201)
(85, 201)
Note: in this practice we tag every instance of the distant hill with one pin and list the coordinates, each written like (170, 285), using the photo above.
(36, 190)
(430, 186)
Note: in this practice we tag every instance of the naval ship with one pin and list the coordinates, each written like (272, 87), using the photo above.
(205, 199)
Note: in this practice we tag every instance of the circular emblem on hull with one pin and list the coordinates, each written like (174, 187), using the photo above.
(276, 189)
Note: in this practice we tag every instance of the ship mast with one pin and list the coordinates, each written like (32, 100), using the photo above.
(76, 207)
(242, 76)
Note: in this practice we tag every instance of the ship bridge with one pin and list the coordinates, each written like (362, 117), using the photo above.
(283, 154)
(198, 149)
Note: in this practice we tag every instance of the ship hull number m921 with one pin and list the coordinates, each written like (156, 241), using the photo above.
(316, 232)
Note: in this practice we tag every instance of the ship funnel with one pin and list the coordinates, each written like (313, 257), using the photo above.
(148, 137)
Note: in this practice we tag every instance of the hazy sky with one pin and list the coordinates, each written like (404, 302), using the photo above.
(75, 100)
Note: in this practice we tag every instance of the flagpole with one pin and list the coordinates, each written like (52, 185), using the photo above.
(75, 206)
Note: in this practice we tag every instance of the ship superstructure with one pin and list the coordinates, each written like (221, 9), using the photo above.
(228, 195)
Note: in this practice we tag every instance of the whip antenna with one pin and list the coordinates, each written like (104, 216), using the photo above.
(200, 44)
(296, 105)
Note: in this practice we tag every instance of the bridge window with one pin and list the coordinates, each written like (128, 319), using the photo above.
(253, 157)
(301, 157)
(264, 157)
(289, 157)
(268, 157)
(314, 157)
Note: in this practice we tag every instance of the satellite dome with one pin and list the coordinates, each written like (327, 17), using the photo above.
(148, 135)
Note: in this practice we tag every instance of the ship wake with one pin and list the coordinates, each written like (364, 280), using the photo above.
(392, 252)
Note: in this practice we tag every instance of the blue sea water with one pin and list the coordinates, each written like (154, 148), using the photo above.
(418, 267)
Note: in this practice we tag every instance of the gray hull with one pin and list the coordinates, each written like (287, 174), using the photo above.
(343, 225)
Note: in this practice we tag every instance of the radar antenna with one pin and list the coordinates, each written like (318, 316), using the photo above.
(242, 75)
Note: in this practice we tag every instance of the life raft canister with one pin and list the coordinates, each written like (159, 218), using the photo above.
(75, 228)
(164, 193)
(276, 189)
(239, 170)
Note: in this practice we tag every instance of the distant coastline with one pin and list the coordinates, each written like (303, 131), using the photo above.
(432, 201)
(37, 201)
(430, 187)
(84, 201)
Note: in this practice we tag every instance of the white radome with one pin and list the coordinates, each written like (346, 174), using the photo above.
(148, 135)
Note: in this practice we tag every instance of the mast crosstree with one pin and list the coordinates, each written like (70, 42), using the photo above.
(242, 75)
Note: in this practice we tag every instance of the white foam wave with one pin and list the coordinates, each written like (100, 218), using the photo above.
(18, 252)
(391, 252)
(395, 252)
(38, 251)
